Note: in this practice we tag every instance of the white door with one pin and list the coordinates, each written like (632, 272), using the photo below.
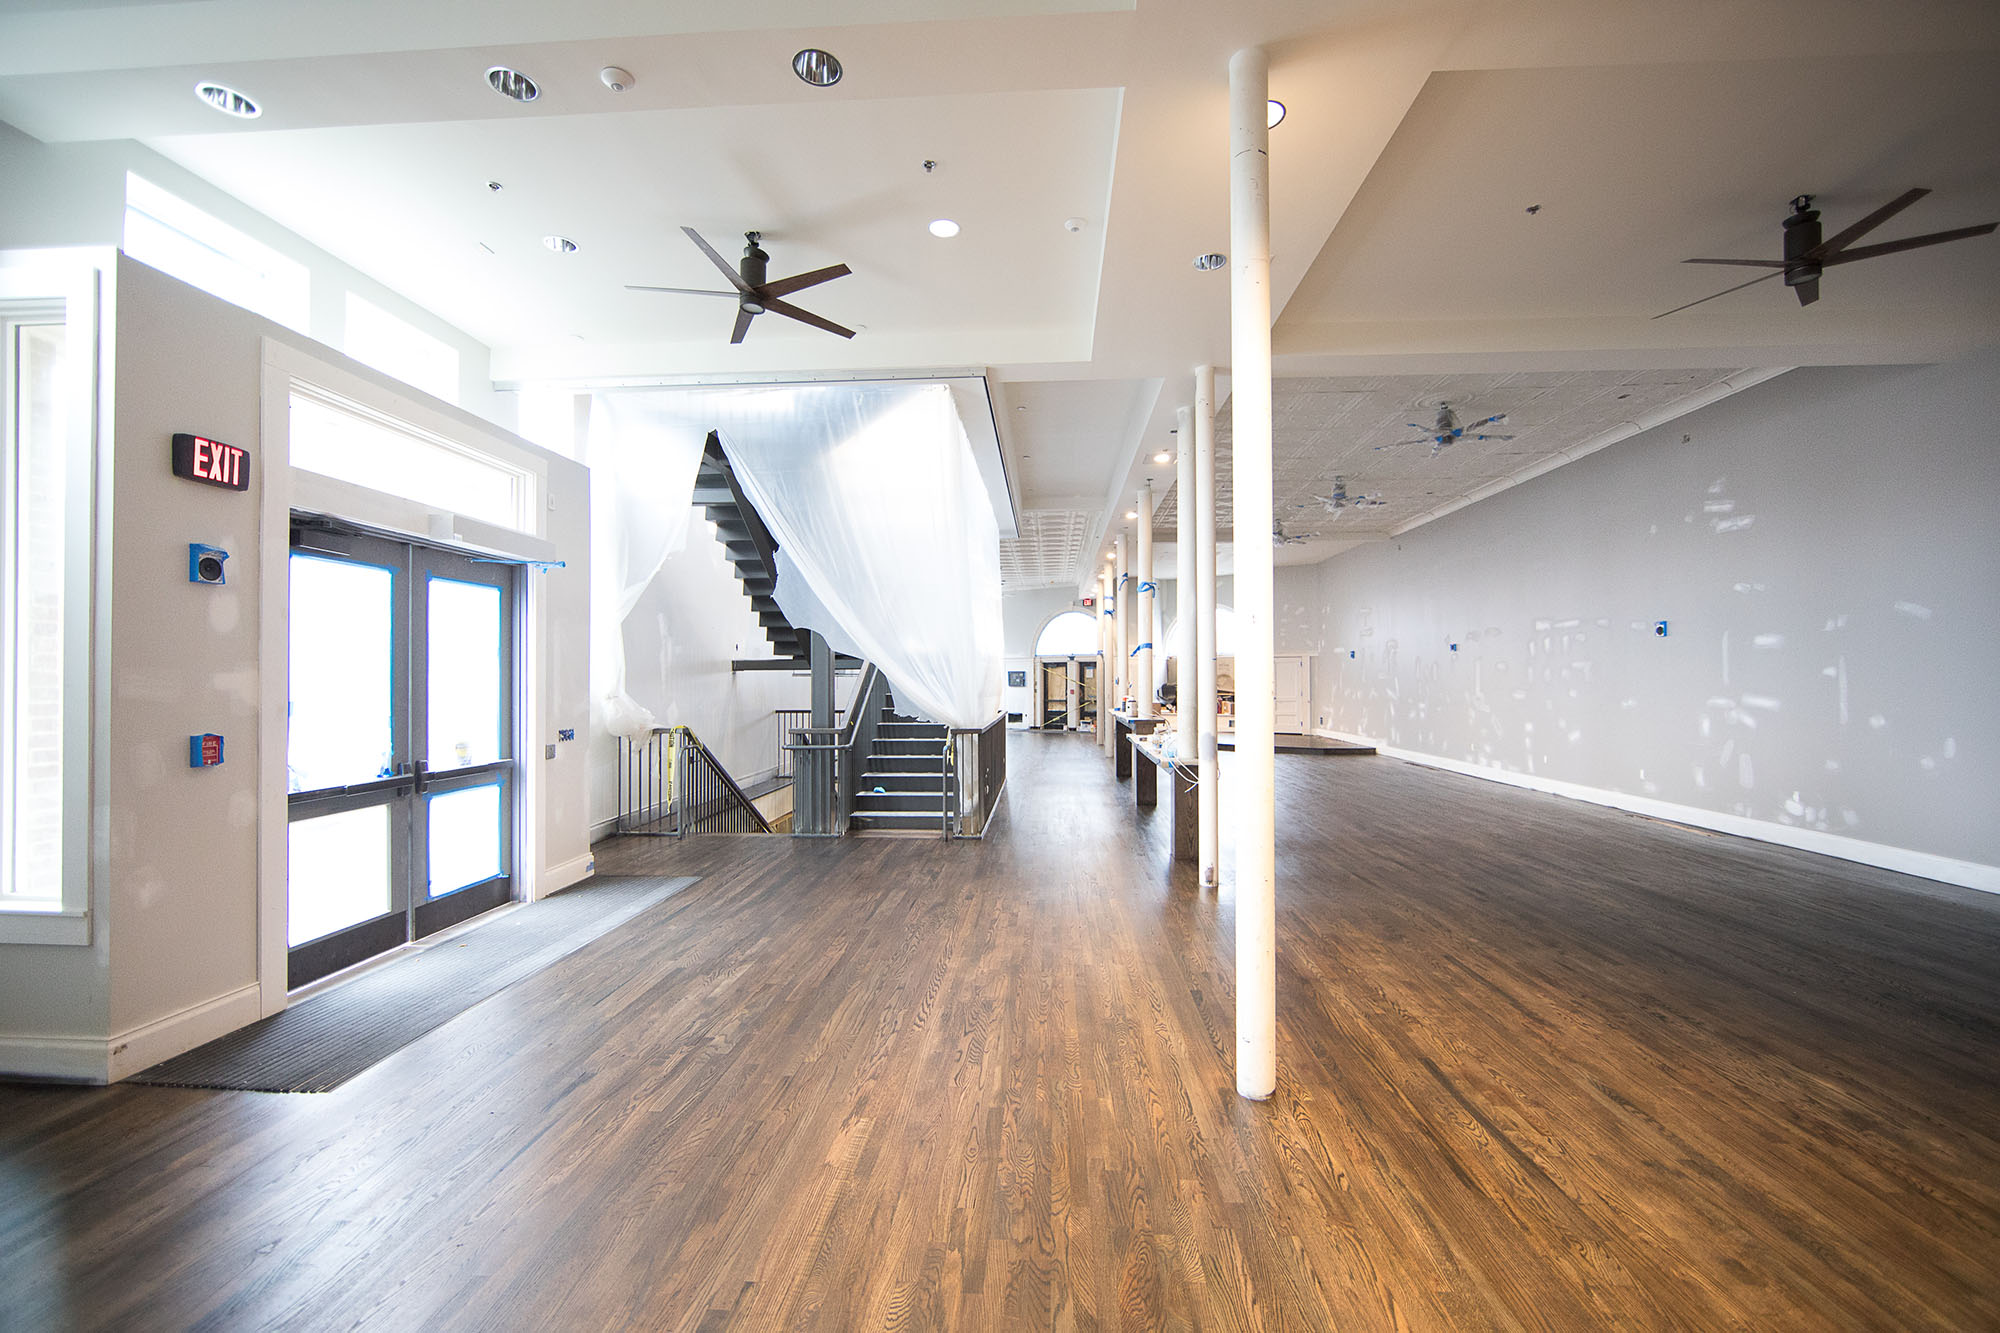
(1293, 686)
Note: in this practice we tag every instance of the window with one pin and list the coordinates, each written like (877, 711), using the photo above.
(377, 338)
(1071, 634)
(178, 239)
(34, 498)
(348, 442)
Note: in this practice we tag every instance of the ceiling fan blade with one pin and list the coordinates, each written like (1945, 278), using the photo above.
(683, 291)
(798, 282)
(728, 269)
(1909, 243)
(1740, 263)
(1724, 292)
(743, 318)
(1841, 240)
(1397, 444)
(1497, 416)
(1492, 437)
(1808, 291)
(806, 317)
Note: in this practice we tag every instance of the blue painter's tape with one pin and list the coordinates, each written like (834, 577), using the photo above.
(1141, 648)
(1149, 587)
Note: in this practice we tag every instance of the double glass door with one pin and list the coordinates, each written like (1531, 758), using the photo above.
(400, 749)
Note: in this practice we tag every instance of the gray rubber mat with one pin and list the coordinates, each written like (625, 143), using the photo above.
(321, 1042)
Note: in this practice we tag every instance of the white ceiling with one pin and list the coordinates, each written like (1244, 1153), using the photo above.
(1404, 261)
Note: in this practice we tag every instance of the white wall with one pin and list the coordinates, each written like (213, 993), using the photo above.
(182, 855)
(1826, 550)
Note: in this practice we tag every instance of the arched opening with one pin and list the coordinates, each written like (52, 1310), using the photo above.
(1067, 634)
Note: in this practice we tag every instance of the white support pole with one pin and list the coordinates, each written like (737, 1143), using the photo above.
(1256, 692)
(1186, 673)
(1208, 798)
(1106, 644)
(1142, 665)
(1124, 618)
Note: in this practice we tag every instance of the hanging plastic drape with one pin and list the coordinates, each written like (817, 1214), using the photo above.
(644, 452)
(887, 543)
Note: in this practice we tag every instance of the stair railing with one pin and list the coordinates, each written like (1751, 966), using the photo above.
(827, 761)
(790, 720)
(671, 785)
(975, 773)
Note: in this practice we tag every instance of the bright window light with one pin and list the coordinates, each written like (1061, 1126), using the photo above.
(168, 233)
(349, 443)
(1071, 634)
(396, 347)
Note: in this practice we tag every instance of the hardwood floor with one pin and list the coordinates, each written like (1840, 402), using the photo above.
(1541, 1066)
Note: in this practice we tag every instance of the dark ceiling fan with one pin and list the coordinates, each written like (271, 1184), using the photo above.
(1806, 254)
(753, 294)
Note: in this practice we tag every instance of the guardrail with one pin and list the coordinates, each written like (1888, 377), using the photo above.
(975, 773)
(671, 785)
(790, 720)
(828, 761)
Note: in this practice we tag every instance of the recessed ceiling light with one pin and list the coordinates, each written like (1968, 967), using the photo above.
(1131, 513)
(944, 228)
(512, 83)
(495, 186)
(1163, 457)
(562, 245)
(1210, 262)
(1274, 112)
(817, 67)
(228, 101)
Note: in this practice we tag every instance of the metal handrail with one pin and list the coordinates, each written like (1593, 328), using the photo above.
(823, 794)
(975, 774)
(790, 720)
(671, 785)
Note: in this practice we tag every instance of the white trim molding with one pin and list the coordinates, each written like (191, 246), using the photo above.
(1902, 860)
(144, 1046)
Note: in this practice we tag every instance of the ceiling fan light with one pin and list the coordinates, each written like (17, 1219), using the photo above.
(819, 68)
(943, 228)
(228, 101)
(512, 83)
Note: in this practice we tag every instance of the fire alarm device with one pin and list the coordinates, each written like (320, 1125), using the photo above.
(212, 462)
(205, 563)
(204, 751)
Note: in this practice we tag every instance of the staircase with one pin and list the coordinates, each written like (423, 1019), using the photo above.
(902, 779)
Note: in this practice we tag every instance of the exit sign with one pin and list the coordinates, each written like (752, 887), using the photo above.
(212, 462)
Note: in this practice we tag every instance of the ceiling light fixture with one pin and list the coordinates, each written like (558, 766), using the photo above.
(1131, 513)
(562, 245)
(817, 67)
(1072, 225)
(495, 186)
(512, 83)
(1209, 263)
(615, 78)
(228, 101)
(944, 228)
(1163, 457)
(1274, 114)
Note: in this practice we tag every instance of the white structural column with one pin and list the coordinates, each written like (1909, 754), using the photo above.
(1123, 603)
(1256, 696)
(1142, 608)
(1208, 798)
(1187, 692)
(1105, 645)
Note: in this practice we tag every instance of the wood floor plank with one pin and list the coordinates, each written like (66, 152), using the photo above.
(1542, 1066)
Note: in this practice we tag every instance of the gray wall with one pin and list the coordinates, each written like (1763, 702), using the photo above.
(1826, 551)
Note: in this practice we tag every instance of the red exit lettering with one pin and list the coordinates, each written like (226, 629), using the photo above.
(199, 458)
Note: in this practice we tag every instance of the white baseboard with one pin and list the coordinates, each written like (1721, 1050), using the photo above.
(1924, 865)
(101, 1060)
(146, 1045)
(58, 1059)
(558, 877)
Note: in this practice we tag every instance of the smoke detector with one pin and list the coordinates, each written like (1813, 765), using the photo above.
(614, 78)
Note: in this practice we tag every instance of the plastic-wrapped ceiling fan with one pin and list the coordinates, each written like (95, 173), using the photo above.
(752, 293)
(1445, 431)
(1806, 255)
(1340, 501)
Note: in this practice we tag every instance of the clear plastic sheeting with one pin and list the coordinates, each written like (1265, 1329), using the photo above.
(887, 542)
(645, 448)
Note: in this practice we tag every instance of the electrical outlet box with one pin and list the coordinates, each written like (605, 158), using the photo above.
(1660, 629)
(548, 752)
